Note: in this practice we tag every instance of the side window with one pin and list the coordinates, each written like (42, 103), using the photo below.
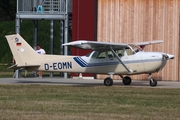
(120, 53)
(110, 54)
(99, 55)
(102, 55)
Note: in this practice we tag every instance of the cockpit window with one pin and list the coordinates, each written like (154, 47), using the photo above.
(99, 55)
(136, 48)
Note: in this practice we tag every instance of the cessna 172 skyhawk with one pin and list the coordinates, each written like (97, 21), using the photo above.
(107, 58)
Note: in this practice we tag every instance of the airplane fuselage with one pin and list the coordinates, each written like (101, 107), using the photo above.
(141, 62)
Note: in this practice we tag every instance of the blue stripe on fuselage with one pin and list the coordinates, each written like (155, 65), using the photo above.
(77, 59)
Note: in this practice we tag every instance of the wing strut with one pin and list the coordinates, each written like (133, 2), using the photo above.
(130, 71)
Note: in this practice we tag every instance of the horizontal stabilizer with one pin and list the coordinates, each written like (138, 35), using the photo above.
(22, 67)
(12, 67)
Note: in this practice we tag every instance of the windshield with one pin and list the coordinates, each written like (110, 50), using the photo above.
(136, 48)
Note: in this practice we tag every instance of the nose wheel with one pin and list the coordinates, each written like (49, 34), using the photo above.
(152, 81)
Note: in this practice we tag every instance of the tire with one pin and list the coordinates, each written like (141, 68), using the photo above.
(108, 81)
(153, 82)
(126, 80)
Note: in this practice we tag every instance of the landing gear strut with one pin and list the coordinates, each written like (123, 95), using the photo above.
(152, 81)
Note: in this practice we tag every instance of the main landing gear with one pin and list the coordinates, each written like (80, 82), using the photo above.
(109, 82)
(127, 81)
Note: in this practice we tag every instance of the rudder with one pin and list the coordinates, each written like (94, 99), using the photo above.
(22, 52)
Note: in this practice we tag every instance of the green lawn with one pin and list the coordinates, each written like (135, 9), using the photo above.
(44, 102)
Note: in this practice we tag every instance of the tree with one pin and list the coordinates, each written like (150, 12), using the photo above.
(7, 10)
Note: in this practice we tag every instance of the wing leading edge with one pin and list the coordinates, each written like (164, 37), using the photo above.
(93, 45)
(149, 42)
(100, 46)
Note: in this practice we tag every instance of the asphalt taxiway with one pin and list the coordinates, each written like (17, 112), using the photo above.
(84, 82)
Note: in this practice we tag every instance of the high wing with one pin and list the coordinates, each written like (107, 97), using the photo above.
(143, 44)
(97, 46)
(100, 46)
(149, 42)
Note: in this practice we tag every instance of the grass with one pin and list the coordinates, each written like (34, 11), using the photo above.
(42, 102)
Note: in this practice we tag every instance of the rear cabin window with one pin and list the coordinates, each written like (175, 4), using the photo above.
(88, 55)
(99, 55)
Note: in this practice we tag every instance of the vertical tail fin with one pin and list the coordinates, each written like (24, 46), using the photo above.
(22, 52)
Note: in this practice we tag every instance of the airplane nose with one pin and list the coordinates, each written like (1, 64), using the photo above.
(168, 56)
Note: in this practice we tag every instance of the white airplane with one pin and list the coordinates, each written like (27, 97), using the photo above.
(107, 58)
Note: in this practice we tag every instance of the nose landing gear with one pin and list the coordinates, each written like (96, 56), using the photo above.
(152, 81)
